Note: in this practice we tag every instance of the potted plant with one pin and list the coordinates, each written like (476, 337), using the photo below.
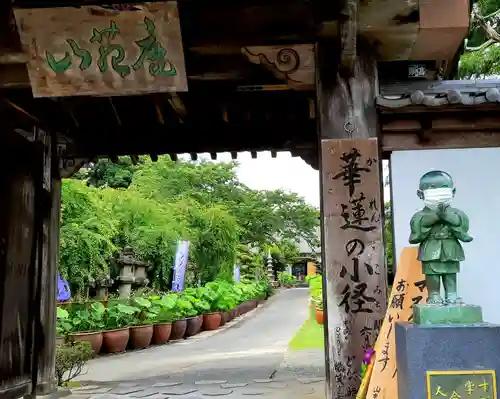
(141, 331)
(182, 309)
(87, 325)
(318, 305)
(163, 308)
(117, 334)
(235, 293)
(195, 315)
(223, 304)
(212, 318)
(247, 296)
(63, 325)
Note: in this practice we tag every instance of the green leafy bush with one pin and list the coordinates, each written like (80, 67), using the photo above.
(70, 359)
(164, 308)
(63, 323)
(87, 233)
(88, 319)
(286, 279)
(120, 315)
(216, 296)
(316, 290)
(146, 314)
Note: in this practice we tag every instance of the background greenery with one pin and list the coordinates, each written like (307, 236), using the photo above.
(482, 53)
(151, 205)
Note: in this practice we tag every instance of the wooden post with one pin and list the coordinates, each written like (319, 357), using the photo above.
(355, 281)
(17, 269)
(50, 254)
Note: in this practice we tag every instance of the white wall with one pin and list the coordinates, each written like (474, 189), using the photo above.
(476, 173)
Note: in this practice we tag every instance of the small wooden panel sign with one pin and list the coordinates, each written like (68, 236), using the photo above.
(408, 290)
(104, 51)
(470, 384)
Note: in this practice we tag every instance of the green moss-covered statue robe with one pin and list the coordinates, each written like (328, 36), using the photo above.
(440, 250)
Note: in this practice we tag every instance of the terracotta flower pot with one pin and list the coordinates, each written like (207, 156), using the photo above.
(178, 329)
(140, 336)
(211, 321)
(193, 326)
(60, 340)
(240, 309)
(225, 318)
(161, 333)
(116, 340)
(319, 316)
(95, 338)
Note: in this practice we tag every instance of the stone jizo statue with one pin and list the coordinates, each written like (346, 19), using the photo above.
(439, 228)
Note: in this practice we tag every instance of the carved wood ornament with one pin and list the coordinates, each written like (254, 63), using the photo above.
(294, 64)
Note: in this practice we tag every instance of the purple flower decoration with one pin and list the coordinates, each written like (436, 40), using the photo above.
(369, 353)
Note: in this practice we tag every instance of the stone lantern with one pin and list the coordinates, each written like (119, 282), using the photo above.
(132, 271)
(270, 268)
(101, 288)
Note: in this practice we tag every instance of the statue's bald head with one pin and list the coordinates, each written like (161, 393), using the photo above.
(436, 179)
(436, 187)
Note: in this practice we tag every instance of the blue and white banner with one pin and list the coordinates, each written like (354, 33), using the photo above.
(236, 273)
(63, 291)
(181, 258)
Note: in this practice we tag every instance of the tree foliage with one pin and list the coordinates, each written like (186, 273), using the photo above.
(87, 232)
(107, 173)
(482, 51)
(263, 216)
(152, 205)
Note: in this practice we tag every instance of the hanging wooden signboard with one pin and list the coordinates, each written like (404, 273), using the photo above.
(103, 51)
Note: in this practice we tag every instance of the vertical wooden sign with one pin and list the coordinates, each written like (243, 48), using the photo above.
(356, 279)
(408, 290)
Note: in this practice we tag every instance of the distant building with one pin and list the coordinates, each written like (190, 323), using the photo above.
(310, 259)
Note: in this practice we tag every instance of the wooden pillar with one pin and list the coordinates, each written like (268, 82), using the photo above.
(17, 266)
(47, 382)
(355, 281)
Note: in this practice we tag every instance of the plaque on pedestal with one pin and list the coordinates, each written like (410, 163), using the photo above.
(447, 356)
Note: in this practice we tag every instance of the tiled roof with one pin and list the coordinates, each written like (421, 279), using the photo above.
(440, 93)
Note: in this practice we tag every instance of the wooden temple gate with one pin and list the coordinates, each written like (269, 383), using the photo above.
(340, 84)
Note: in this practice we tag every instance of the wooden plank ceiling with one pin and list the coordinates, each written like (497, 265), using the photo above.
(237, 101)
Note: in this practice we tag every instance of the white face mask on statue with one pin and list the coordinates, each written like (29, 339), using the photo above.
(435, 196)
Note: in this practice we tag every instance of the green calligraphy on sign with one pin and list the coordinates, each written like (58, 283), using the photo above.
(152, 53)
(470, 384)
(104, 37)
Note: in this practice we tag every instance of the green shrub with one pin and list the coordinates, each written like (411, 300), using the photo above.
(70, 359)
(63, 323)
(286, 279)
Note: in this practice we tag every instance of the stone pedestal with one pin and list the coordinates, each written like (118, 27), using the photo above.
(466, 355)
(451, 314)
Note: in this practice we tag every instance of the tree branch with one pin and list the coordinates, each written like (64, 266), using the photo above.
(483, 46)
(491, 33)
(492, 14)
